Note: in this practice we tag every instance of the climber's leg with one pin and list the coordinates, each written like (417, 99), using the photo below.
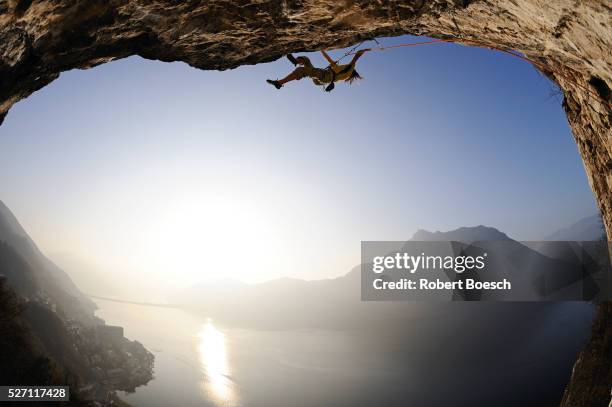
(296, 75)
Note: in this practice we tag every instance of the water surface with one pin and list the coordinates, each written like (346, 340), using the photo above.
(441, 359)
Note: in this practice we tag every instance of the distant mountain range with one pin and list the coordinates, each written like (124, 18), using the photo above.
(465, 234)
(587, 229)
(288, 302)
(590, 228)
(552, 270)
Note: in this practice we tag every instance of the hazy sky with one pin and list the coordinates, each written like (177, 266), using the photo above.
(168, 175)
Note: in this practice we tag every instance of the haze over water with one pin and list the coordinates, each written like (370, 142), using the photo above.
(201, 362)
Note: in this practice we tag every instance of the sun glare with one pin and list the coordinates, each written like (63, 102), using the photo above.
(214, 364)
(206, 239)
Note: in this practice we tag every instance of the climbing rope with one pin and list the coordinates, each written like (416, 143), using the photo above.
(349, 52)
(381, 48)
(541, 67)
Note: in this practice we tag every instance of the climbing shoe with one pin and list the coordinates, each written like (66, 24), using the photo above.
(292, 59)
(276, 84)
(330, 87)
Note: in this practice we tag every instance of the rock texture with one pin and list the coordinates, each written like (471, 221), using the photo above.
(569, 41)
(590, 384)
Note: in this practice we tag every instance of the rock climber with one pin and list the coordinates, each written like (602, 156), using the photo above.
(333, 73)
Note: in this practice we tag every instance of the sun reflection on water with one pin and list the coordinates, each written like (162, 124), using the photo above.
(213, 361)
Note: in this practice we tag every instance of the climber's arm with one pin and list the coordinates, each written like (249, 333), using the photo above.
(358, 55)
(328, 58)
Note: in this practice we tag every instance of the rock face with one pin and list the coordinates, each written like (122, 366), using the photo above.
(568, 40)
(590, 384)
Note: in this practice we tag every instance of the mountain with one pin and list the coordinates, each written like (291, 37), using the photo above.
(337, 302)
(587, 229)
(463, 234)
(52, 282)
(551, 270)
(49, 334)
(283, 302)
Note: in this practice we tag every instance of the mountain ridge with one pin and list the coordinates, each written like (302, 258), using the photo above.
(465, 234)
(586, 229)
(56, 282)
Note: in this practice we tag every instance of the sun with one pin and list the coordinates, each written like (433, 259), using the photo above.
(214, 237)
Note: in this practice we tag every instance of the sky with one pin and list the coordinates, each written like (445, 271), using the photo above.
(165, 175)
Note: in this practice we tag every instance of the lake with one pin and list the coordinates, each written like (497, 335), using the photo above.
(518, 354)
